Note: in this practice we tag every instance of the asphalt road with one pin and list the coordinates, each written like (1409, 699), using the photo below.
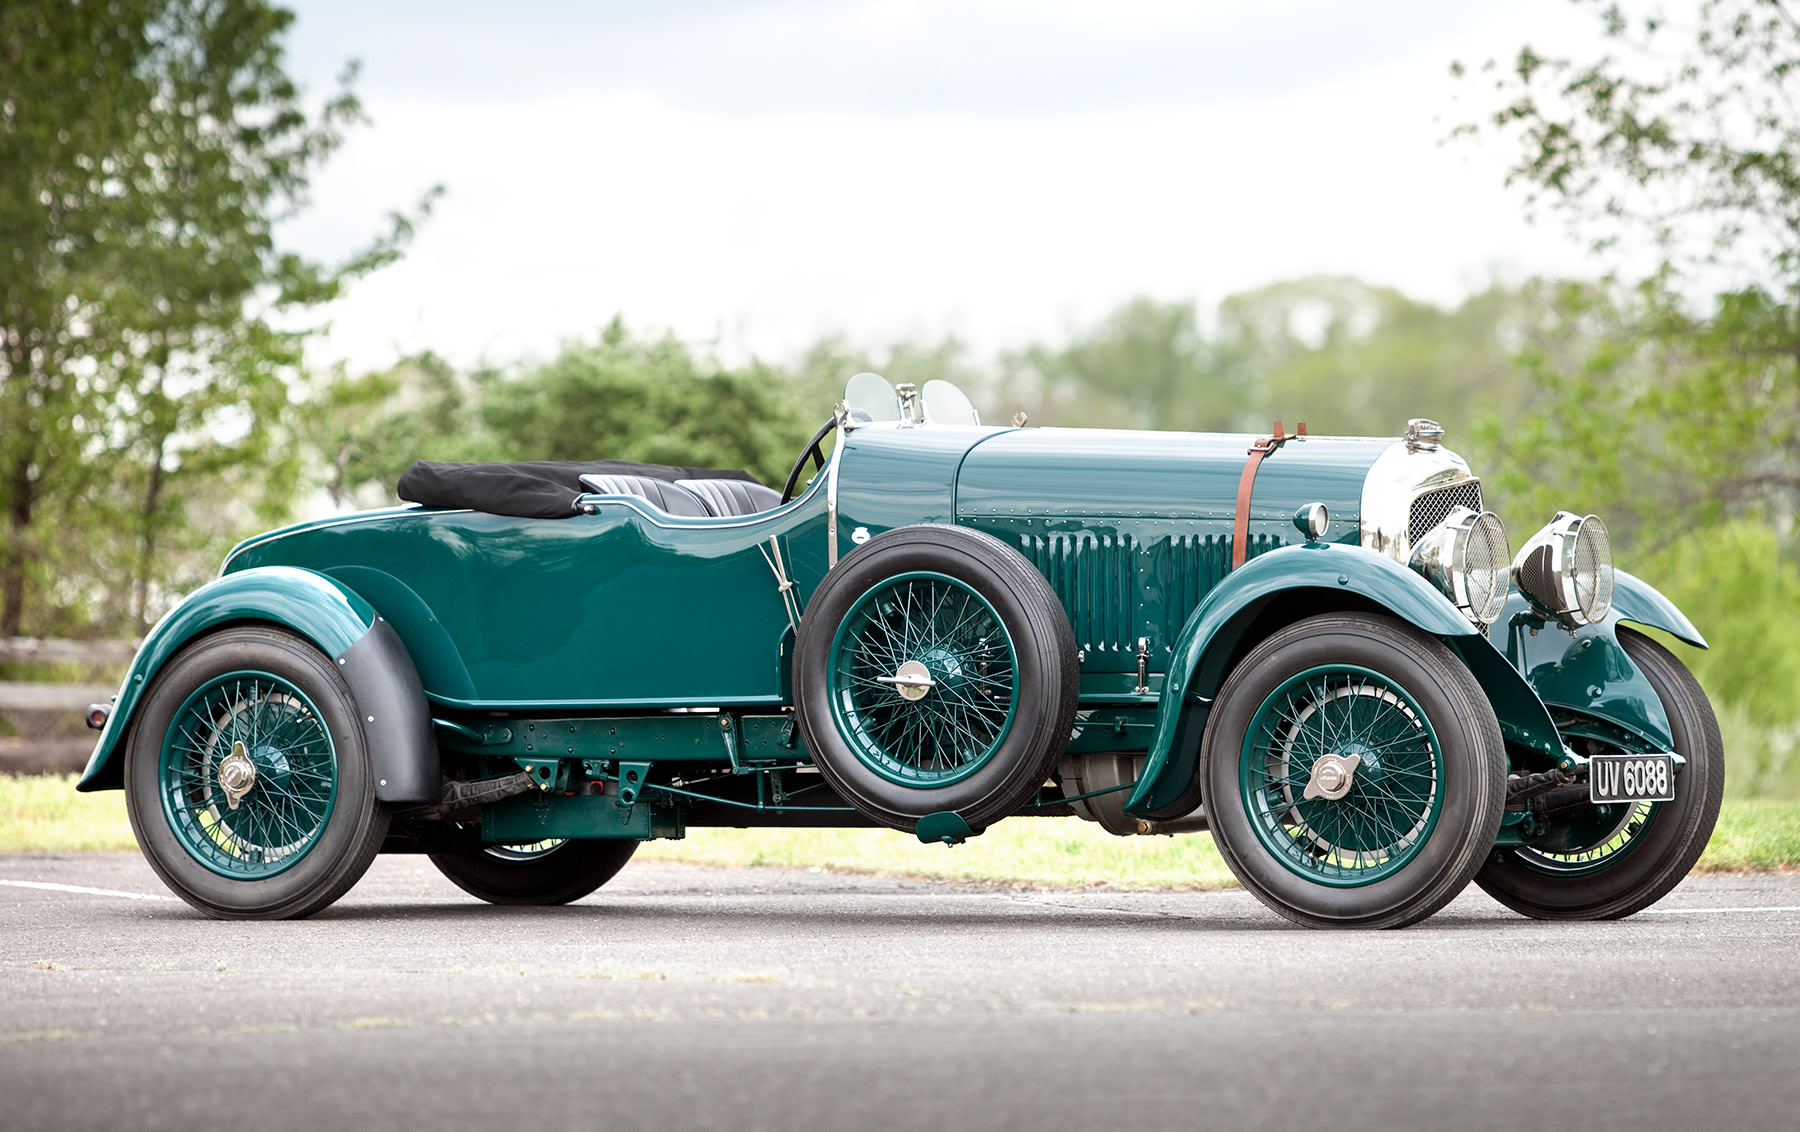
(685, 997)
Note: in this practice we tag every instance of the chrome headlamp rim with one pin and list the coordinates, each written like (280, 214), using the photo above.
(1565, 570)
(1465, 557)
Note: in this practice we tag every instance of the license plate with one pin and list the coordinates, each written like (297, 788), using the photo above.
(1631, 778)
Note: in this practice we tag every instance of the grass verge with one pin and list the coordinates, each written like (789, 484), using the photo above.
(43, 814)
(1048, 851)
(1753, 835)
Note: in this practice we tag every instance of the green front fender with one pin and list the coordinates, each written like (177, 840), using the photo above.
(1275, 589)
(324, 611)
(1587, 672)
(1641, 603)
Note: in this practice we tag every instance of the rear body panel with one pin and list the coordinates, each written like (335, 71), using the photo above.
(618, 609)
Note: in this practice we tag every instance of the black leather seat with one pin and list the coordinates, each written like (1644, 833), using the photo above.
(734, 497)
(669, 497)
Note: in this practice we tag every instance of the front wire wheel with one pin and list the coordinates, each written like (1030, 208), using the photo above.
(1604, 862)
(247, 777)
(1342, 712)
(1354, 772)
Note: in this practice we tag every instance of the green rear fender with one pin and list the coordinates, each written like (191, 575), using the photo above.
(1276, 589)
(333, 617)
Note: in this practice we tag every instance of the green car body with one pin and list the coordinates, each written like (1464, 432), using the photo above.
(651, 657)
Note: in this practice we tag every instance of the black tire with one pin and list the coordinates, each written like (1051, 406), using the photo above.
(553, 874)
(254, 682)
(1418, 816)
(1654, 846)
(966, 752)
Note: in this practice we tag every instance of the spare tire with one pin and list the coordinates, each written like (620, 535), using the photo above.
(935, 670)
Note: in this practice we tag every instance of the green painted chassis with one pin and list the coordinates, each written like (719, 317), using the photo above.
(636, 665)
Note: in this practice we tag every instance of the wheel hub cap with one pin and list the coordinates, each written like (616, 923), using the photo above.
(237, 774)
(1332, 777)
(912, 680)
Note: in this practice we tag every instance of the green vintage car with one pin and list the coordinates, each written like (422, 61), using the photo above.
(1318, 648)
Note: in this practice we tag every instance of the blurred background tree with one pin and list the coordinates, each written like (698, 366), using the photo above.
(656, 400)
(147, 150)
(1686, 140)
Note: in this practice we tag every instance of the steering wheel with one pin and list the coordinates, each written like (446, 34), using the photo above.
(812, 449)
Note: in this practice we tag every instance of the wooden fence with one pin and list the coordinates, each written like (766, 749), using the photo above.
(45, 731)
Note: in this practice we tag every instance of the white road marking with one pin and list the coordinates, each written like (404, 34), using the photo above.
(84, 890)
(1703, 911)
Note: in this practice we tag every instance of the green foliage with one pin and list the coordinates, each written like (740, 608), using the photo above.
(1563, 447)
(1357, 360)
(1342, 355)
(1754, 836)
(363, 431)
(621, 397)
(147, 150)
(1675, 417)
(1735, 583)
(1686, 135)
(1686, 142)
(1145, 366)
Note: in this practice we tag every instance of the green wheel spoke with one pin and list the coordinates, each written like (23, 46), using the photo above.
(293, 790)
(1597, 843)
(941, 623)
(1393, 800)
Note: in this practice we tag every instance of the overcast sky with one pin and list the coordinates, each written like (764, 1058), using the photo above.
(758, 173)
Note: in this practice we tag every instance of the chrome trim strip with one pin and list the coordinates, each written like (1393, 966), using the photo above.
(831, 510)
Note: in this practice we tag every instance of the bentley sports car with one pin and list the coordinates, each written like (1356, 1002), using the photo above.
(1321, 650)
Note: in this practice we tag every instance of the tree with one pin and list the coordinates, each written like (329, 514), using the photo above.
(1146, 365)
(621, 397)
(1342, 355)
(1355, 359)
(364, 431)
(1685, 143)
(147, 150)
(653, 400)
(1690, 136)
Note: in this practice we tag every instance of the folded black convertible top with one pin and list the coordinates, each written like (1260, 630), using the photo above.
(531, 489)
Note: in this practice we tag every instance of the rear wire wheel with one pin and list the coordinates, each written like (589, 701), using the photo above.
(1607, 862)
(544, 872)
(247, 777)
(1354, 772)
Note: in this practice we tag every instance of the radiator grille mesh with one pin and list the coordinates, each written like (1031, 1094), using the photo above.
(1433, 507)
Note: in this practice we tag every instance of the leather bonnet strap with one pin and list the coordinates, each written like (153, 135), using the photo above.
(1240, 527)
